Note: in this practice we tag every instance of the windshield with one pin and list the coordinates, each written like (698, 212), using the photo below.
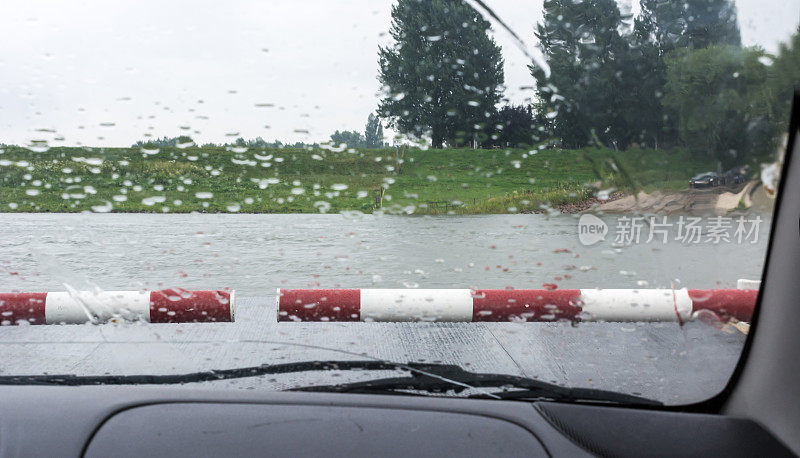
(533, 190)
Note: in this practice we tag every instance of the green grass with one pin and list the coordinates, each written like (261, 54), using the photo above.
(298, 180)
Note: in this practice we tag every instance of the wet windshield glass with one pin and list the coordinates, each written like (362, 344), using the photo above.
(571, 192)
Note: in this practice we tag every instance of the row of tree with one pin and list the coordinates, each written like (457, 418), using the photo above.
(186, 141)
(371, 138)
(675, 75)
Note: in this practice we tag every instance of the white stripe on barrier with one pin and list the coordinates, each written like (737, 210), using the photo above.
(232, 305)
(82, 306)
(416, 304)
(744, 283)
(636, 305)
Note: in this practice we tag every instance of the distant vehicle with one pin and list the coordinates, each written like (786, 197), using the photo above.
(736, 175)
(705, 179)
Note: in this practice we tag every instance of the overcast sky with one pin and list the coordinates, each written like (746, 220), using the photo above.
(107, 72)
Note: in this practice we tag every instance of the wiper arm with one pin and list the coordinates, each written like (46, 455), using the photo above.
(453, 378)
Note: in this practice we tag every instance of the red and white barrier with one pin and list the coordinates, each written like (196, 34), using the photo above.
(459, 305)
(166, 306)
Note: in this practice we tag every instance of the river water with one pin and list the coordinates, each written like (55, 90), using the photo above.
(254, 254)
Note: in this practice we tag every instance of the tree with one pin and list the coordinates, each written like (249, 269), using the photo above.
(542, 120)
(443, 73)
(584, 50)
(722, 103)
(514, 127)
(379, 135)
(352, 139)
(785, 79)
(692, 24)
(661, 28)
(607, 85)
(183, 140)
(711, 22)
(643, 88)
(373, 132)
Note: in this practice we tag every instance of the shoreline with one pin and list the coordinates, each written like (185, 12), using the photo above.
(688, 201)
(582, 205)
(719, 201)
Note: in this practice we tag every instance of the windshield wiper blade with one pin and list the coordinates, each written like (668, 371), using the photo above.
(442, 378)
(197, 377)
(593, 395)
(425, 377)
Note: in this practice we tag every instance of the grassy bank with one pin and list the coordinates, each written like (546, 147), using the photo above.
(297, 180)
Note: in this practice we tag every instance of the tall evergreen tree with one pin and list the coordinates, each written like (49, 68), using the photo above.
(379, 135)
(585, 52)
(712, 22)
(662, 27)
(653, 36)
(692, 24)
(443, 74)
(373, 132)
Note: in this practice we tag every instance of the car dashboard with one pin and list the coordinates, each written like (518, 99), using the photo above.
(181, 421)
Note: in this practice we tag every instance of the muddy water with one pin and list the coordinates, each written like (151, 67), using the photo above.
(255, 254)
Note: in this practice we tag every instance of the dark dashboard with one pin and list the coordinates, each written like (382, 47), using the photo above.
(179, 421)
